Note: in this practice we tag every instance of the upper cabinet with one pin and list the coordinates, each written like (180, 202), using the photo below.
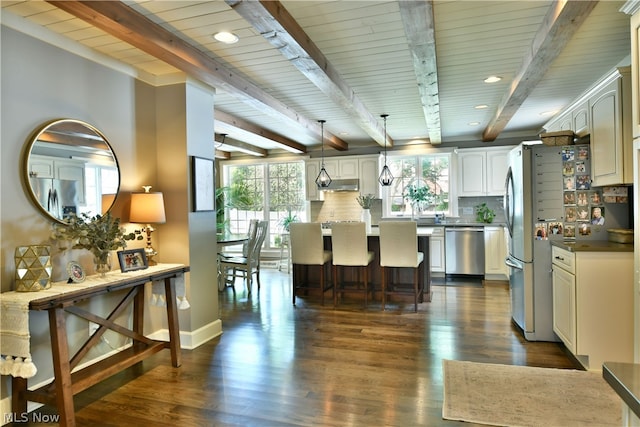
(604, 112)
(362, 168)
(482, 171)
(60, 169)
(635, 72)
(576, 119)
(611, 140)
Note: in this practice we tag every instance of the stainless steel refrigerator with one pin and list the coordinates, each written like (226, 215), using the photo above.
(533, 189)
(59, 197)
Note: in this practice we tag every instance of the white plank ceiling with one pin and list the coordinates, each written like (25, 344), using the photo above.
(366, 44)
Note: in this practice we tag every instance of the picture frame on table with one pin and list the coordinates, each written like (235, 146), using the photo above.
(132, 259)
(202, 183)
(76, 272)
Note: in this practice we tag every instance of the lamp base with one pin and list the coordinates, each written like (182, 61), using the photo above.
(150, 253)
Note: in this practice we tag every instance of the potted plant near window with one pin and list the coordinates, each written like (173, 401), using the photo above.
(418, 196)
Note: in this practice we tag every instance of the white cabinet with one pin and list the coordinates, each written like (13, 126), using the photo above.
(611, 132)
(593, 304)
(346, 168)
(495, 252)
(564, 298)
(368, 172)
(576, 119)
(437, 250)
(482, 172)
(362, 168)
(635, 73)
(67, 169)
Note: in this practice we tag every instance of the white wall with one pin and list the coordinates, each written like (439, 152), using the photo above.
(40, 82)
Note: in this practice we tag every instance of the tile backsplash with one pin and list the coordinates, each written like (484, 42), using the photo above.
(342, 206)
(467, 211)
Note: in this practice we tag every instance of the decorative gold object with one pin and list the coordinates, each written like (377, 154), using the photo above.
(33, 268)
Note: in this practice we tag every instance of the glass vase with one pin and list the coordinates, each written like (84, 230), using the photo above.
(102, 262)
(365, 216)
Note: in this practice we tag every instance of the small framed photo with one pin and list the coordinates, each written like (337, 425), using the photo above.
(75, 271)
(202, 183)
(132, 259)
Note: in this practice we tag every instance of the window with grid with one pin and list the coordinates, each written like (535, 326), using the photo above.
(425, 175)
(267, 191)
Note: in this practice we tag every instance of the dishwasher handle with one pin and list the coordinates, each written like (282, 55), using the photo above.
(460, 229)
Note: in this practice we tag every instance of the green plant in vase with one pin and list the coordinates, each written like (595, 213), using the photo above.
(99, 234)
(484, 213)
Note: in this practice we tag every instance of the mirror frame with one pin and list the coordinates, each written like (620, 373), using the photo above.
(33, 139)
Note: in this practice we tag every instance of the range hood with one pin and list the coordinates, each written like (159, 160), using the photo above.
(342, 185)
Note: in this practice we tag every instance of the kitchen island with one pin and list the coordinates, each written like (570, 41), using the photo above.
(373, 240)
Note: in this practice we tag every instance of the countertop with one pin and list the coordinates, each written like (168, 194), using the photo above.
(593, 246)
(375, 231)
(624, 378)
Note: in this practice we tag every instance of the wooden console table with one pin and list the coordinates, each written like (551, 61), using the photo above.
(65, 385)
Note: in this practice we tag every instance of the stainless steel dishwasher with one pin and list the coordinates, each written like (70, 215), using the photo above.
(464, 248)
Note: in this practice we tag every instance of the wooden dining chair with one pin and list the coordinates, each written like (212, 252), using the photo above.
(399, 249)
(307, 249)
(246, 266)
(350, 249)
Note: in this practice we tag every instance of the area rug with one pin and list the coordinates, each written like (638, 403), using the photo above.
(504, 395)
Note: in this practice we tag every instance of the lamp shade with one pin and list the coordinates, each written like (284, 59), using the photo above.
(147, 208)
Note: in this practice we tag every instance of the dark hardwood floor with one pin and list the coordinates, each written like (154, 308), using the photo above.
(308, 365)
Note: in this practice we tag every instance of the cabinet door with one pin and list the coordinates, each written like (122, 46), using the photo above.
(471, 166)
(41, 167)
(437, 254)
(581, 120)
(312, 169)
(368, 176)
(564, 307)
(497, 165)
(495, 252)
(607, 165)
(635, 73)
(348, 168)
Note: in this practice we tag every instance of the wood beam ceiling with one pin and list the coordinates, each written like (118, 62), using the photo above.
(417, 18)
(234, 125)
(280, 29)
(560, 24)
(121, 21)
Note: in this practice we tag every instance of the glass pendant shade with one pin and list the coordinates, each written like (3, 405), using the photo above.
(386, 177)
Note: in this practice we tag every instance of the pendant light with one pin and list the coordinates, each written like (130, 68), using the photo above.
(323, 180)
(386, 178)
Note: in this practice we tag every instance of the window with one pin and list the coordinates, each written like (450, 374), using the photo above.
(427, 177)
(271, 191)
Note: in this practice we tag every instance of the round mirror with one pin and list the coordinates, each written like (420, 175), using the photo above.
(70, 168)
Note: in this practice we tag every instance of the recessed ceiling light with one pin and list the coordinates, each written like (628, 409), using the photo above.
(481, 107)
(226, 37)
(474, 123)
(492, 79)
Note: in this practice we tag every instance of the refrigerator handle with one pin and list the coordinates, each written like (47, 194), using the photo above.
(507, 201)
(509, 262)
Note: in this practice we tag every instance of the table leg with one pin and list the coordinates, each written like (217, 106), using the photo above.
(18, 400)
(172, 318)
(61, 367)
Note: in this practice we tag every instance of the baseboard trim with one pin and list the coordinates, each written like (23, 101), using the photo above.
(193, 339)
